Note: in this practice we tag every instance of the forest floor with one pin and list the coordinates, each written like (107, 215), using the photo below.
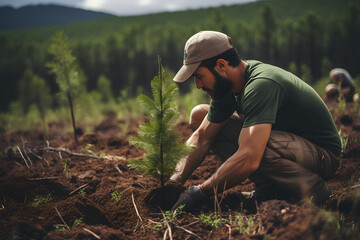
(97, 196)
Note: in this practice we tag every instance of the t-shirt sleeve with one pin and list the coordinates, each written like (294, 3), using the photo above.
(221, 110)
(261, 101)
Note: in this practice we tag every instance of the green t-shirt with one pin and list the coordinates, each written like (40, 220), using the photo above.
(273, 95)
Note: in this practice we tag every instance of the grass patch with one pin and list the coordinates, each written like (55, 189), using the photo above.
(38, 200)
(212, 219)
(62, 227)
(344, 141)
(66, 163)
(244, 224)
(116, 195)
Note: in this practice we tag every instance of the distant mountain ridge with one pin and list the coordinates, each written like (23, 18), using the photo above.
(103, 27)
(45, 15)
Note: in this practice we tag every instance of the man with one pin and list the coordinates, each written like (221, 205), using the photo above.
(341, 77)
(285, 140)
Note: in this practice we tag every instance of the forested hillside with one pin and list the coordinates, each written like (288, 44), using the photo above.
(282, 10)
(44, 15)
(124, 50)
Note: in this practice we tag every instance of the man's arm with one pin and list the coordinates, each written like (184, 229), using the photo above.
(202, 139)
(252, 143)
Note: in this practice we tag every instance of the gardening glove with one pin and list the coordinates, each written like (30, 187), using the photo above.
(191, 198)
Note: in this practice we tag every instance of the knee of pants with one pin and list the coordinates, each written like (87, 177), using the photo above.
(288, 146)
(197, 115)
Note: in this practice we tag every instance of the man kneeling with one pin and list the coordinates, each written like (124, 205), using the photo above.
(265, 122)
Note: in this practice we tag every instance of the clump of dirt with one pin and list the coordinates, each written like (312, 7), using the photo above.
(22, 190)
(349, 203)
(346, 120)
(282, 216)
(165, 197)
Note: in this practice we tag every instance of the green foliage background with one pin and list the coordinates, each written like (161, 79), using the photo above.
(116, 57)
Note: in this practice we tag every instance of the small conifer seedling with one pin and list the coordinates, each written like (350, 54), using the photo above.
(157, 136)
(64, 68)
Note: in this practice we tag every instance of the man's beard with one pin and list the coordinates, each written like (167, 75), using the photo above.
(222, 86)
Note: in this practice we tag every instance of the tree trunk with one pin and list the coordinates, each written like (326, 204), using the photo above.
(72, 116)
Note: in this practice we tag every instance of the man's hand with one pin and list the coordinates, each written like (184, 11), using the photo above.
(191, 198)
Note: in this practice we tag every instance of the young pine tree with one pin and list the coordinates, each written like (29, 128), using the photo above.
(158, 136)
(63, 66)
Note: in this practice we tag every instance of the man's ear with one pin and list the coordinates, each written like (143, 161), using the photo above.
(221, 65)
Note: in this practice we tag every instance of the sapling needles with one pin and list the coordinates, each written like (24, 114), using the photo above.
(157, 136)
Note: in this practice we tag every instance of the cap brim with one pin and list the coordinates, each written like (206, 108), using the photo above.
(185, 72)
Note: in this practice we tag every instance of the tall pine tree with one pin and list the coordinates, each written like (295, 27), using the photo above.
(157, 136)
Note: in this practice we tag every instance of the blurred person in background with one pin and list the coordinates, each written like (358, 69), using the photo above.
(341, 85)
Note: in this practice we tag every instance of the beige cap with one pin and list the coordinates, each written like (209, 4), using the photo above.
(199, 47)
(336, 73)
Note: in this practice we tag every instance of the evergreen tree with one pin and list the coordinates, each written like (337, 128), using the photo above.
(293, 68)
(311, 37)
(326, 67)
(266, 26)
(350, 44)
(158, 136)
(63, 66)
(104, 88)
(33, 90)
(306, 73)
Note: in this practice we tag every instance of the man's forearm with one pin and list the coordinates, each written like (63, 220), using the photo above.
(231, 173)
(252, 143)
(187, 165)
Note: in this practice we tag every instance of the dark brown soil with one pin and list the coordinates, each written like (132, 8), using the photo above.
(165, 197)
(116, 202)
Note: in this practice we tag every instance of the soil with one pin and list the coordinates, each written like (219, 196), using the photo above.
(102, 198)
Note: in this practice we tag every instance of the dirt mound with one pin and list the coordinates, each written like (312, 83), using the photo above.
(26, 189)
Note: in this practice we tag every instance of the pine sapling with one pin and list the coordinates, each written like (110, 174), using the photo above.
(157, 136)
(63, 66)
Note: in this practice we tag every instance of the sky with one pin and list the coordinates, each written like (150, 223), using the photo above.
(128, 7)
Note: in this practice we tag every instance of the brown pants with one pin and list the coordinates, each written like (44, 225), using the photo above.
(292, 168)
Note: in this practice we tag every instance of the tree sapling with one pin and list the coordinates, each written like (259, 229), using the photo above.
(158, 136)
(63, 66)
